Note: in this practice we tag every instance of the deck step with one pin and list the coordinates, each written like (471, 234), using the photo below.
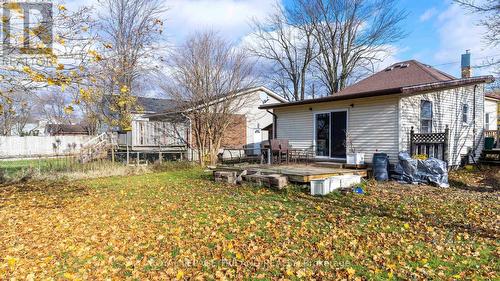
(488, 162)
(333, 165)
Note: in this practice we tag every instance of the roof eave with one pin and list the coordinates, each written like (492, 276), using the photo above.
(402, 90)
(448, 84)
(335, 98)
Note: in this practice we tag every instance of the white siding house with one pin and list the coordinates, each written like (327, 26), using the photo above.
(377, 114)
(153, 127)
(372, 123)
(491, 112)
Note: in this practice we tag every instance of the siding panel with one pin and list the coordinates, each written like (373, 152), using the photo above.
(372, 123)
(447, 110)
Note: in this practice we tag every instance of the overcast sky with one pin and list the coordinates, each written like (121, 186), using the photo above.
(439, 31)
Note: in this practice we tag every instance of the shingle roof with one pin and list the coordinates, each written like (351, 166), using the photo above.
(56, 129)
(405, 77)
(401, 74)
(493, 95)
(155, 105)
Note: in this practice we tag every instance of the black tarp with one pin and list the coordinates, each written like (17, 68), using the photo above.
(431, 171)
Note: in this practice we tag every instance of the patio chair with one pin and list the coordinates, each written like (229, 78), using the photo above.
(279, 149)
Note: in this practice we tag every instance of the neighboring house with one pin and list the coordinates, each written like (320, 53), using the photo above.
(491, 111)
(378, 113)
(32, 127)
(154, 128)
(65, 130)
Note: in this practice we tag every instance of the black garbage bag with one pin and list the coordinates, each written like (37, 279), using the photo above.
(406, 169)
(431, 171)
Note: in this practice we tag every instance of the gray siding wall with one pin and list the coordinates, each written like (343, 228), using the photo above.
(447, 110)
(372, 123)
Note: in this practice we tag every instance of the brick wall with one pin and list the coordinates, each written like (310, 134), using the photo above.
(236, 133)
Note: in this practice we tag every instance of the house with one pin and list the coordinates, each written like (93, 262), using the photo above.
(66, 130)
(377, 114)
(159, 124)
(491, 120)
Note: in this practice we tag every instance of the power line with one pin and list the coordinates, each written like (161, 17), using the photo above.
(454, 62)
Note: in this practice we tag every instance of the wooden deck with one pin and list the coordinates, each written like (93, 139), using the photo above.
(297, 173)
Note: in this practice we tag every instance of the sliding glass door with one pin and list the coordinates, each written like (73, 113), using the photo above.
(323, 134)
(330, 134)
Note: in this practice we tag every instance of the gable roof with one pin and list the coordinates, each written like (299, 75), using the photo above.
(405, 77)
(401, 74)
(66, 129)
(242, 92)
(155, 105)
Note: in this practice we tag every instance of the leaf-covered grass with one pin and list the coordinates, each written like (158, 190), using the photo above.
(181, 225)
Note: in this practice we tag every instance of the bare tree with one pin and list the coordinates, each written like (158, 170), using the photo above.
(14, 114)
(131, 32)
(286, 41)
(490, 9)
(207, 74)
(351, 35)
(53, 107)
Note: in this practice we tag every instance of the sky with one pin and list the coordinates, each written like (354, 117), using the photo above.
(438, 31)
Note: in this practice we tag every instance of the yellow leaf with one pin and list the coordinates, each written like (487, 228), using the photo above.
(239, 256)
(406, 226)
(62, 8)
(124, 89)
(60, 67)
(11, 261)
(351, 271)
(69, 109)
(180, 275)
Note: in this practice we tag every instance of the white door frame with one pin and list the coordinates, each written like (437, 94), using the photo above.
(329, 131)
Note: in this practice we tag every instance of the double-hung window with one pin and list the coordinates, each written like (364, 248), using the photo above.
(425, 116)
(465, 113)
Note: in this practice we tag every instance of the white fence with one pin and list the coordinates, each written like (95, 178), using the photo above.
(31, 146)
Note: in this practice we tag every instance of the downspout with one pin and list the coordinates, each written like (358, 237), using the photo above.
(474, 130)
(275, 119)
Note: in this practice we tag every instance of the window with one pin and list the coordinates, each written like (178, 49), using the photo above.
(425, 116)
(487, 121)
(465, 113)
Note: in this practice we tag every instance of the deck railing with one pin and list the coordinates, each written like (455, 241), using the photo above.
(431, 144)
(493, 134)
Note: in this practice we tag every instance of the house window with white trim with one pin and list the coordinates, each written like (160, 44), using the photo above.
(425, 116)
(465, 113)
(487, 121)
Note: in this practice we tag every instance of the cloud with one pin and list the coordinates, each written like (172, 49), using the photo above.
(230, 17)
(428, 14)
(458, 31)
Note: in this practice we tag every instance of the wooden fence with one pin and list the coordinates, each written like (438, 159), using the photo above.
(431, 144)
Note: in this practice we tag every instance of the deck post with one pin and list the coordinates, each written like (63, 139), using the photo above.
(446, 144)
(269, 156)
(412, 132)
(128, 155)
(137, 160)
(498, 137)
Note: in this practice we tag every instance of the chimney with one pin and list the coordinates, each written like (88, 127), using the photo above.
(466, 68)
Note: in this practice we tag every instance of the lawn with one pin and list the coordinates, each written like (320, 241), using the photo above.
(181, 225)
